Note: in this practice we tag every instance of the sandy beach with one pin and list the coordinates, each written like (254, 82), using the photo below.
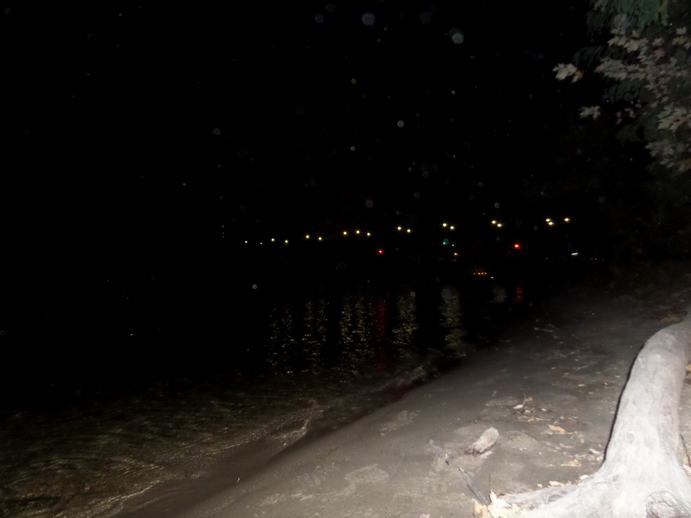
(550, 388)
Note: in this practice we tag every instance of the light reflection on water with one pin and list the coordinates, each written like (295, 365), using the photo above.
(360, 330)
(451, 315)
(316, 359)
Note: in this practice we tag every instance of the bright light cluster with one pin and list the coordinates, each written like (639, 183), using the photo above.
(550, 222)
(356, 232)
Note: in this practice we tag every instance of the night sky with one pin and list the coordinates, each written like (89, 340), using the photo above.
(144, 144)
(175, 122)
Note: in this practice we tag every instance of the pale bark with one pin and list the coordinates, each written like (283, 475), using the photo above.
(642, 474)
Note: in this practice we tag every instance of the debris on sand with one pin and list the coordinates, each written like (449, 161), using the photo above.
(485, 442)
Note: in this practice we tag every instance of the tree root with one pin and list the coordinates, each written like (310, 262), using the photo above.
(642, 475)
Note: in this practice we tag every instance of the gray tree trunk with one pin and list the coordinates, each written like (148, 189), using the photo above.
(642, 475)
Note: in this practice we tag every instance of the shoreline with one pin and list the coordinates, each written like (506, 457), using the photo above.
(115, 454)
(163, 500)
(550, 388)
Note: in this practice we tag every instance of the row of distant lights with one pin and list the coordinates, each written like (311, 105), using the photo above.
(357, 232)
(549, 221)
(274, 240)
(310, 237)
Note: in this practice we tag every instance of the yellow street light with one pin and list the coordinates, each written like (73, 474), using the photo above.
(567, 220)
(444, 224)
(273, 239)
(452, 227)
(319, 238)
(357, 232)
(408, 230)
(345, 232)
(369, 234)
(499, 225)
(286, 241)
(307, 236)
(494, 222)
(399, 228)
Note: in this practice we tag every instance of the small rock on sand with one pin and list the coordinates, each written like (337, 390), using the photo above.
(485, 442)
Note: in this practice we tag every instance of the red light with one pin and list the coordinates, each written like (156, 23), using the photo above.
(380, 251)
(517, 246)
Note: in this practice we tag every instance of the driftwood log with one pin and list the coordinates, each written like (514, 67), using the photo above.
(642, 475)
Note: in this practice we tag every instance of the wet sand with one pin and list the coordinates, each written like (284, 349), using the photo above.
(550, 388)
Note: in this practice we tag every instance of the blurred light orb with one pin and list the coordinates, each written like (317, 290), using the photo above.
(457, 36)
(368, 19)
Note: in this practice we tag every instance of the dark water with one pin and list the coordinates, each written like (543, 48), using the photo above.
(295, 362)
(367, 329)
